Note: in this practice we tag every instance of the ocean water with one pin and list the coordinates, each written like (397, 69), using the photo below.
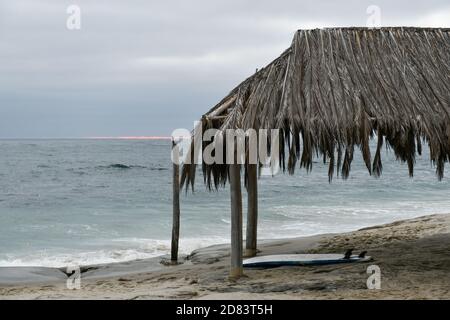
(65, 202)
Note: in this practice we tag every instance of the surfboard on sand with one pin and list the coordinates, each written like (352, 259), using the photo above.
(279, 260)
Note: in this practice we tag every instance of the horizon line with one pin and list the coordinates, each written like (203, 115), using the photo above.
(91, 138)
(132, 138)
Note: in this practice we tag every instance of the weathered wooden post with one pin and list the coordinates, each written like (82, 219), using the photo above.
(176, 204)
(252, 214)
(236, 221)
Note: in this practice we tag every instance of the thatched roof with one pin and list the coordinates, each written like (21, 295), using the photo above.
(334, 89)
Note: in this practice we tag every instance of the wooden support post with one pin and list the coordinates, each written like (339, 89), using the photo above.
(176, 206)
(236, 221)
(252, 214)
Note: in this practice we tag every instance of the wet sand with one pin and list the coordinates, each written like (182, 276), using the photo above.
(413, 256)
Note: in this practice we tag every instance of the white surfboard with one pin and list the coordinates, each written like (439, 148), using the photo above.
(279, 260)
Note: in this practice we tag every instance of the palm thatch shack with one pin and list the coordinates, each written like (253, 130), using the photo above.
(333, 90)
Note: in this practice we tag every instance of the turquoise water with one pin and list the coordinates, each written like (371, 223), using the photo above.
(94, 201)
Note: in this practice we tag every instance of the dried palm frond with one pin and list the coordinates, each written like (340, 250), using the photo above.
(335, 89)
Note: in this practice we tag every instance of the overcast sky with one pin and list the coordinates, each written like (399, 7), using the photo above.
(144, 67)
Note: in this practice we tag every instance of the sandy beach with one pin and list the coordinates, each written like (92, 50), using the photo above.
(413, 256)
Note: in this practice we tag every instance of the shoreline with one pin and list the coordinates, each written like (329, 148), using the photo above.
(413, 256)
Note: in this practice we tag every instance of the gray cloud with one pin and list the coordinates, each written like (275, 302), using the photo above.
(146, 67)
